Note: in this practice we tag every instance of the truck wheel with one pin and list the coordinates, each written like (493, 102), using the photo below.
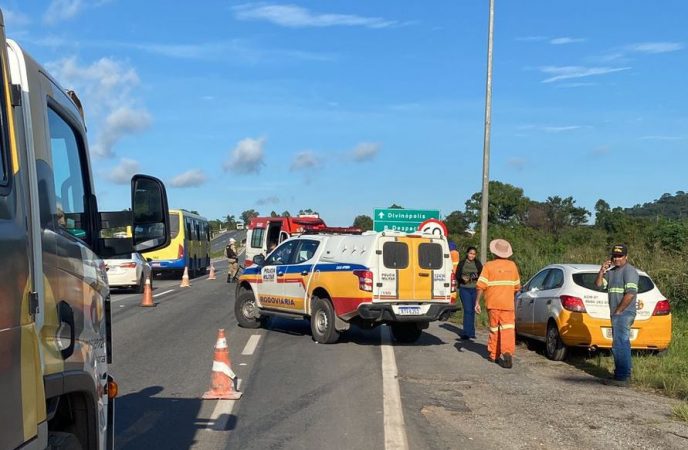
(554, 347)
(63, 441)
(322, 322)
(406, 332)
(246, 310)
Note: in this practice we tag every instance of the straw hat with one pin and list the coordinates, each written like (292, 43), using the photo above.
(501, 248)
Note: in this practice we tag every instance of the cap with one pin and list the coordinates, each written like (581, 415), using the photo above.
(232, 240)
(619, 250)
(452, 245)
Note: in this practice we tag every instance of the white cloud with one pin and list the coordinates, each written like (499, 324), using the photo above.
(306, 160)
(61, 10)
(15, 18)
(293, 16)
(565, 40)
(247, 157)
(655, 47)
(365, 151)
(190, 178)
(559, 129)
(105, 88)
(119, 123)
(122, 173)
(568, 72)
(272, 200)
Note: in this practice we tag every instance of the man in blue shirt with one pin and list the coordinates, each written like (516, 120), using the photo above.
(620, 279)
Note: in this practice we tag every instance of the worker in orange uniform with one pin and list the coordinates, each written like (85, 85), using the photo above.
(454, 257)
(499, 281)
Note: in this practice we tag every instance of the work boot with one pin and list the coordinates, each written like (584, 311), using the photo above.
(506, 361)
(617, 383)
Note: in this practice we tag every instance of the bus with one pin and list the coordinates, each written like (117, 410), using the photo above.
(189, 246)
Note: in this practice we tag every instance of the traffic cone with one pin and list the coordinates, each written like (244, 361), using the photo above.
(222, 377)
(185, 278)
(212, 272)
(147, 299)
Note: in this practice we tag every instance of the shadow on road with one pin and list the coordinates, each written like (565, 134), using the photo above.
(175, 421)
(355, 335)
(465, 345)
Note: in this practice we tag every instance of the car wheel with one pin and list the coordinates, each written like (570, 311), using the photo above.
(246, 311)
(142, 284)
(554, 347)
(322, 322)
(405, 332)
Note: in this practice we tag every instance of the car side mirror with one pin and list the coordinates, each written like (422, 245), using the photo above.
(150, 214)
(259, 260)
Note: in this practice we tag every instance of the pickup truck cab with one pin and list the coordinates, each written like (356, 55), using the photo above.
(370, 279)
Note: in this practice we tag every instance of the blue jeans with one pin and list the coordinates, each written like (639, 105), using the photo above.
(621, 344)
(468, 296)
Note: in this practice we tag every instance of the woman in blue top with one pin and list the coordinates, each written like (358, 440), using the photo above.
(467, 275)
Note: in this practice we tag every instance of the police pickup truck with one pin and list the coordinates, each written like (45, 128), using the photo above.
(404, 280)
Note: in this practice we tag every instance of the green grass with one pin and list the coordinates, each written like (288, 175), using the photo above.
(681, 412)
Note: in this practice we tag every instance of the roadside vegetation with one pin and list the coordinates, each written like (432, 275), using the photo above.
(557, 231)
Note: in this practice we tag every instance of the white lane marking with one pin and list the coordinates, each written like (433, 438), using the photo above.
(163, 293)
(395, 432)
(251, 345)
(221, 413)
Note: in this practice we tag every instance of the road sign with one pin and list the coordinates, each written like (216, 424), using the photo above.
(433, 226)
(406, 220)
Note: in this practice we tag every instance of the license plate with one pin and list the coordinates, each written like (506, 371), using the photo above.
(409, 310)
(609, 335)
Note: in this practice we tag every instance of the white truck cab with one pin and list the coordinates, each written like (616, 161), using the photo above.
(404, 280)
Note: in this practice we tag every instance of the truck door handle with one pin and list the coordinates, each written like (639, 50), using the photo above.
(66, 315)
(423, 274)
(304, 272)
(279, 274)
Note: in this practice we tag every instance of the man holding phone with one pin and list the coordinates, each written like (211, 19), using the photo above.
(620, 279)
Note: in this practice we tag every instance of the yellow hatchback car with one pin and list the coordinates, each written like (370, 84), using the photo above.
(562, 307)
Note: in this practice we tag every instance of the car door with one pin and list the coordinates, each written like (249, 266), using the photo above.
(297, 275)
(543, 302)
(525, 302)
(271, 291)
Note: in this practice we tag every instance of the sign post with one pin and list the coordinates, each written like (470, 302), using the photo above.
(404, 220)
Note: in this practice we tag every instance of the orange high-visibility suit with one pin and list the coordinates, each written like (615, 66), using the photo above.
(455, 260)
(499, 281)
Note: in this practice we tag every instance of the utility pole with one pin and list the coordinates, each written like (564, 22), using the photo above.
(486, 141)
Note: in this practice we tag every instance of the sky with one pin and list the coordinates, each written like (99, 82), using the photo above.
(346, 106)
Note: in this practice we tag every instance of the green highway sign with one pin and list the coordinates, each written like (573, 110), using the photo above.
(405, 220)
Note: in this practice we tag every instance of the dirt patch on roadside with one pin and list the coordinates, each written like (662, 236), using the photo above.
(537, 404)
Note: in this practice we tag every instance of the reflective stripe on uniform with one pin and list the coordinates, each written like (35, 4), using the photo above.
(507, 326)
(503, 283)
(483, 279)
(616, 290)
(631, 286)
(494, 329)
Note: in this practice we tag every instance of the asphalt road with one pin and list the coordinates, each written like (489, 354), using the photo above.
(362, 393)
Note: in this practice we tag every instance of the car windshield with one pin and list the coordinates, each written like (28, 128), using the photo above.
(124, 256)
(587, 280)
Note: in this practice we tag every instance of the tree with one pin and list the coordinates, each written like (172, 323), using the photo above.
(285, 214)
(307, 212)
(247, 215)
(231, 222)
(363, 222)
(456, 222)
(562, 213)
(507, 205)
(395, 206)
(273, 214)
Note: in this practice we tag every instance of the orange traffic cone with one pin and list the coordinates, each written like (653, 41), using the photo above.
(222, 378)
(212, 272)
(185, 278)
(147, 299)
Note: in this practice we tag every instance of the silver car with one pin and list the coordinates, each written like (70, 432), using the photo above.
(128, 271)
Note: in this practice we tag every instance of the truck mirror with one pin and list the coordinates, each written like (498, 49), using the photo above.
(150, 214)
(259, 260)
